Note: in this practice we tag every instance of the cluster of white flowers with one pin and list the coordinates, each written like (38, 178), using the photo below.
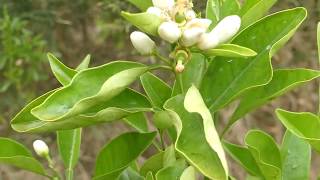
(180, 23)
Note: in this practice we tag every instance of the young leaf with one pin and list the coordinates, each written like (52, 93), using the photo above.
(84, 64)
(304, 125)
(244, 157)
(149, 176)
(189, 174)
(266, 153)
(117, 155)
(15, 154)
(191, 141)
(230, 50)
(146, 22)
(194, 103)
(153, 164)
(253, 10)
(217, 10)
(141, 4)
(130, 174)
(296, 158)
(227, 78)
(63, 73)
(192, 75)
(157, 90)
(87, 89)
(283, 80)
(173, 171)
(137, 121)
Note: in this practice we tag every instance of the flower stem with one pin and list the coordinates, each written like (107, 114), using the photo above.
(51, 166)
(163, 59)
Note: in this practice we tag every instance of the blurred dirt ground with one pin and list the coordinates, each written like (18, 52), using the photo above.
(301, 52)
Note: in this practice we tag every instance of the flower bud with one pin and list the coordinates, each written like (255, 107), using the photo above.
(179, 67)
(169, 31)
(163, 4)
(194, 29)
(208, 41)
(41, 148)
(190, 14)
(154, 10)
(142, 42)
(227, 28)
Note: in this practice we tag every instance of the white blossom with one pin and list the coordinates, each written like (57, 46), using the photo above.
(193, 30)
(169, 31)
(227, 28)
(164, 4)
(142, 42)
(41, 148)
(208, 41)
(154, 10)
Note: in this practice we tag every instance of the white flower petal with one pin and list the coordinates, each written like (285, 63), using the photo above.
(208, 41)
(227, 28)
(41, 148)
(169, 31)
(142, 42)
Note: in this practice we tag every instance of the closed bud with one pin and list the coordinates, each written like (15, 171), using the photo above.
(193, 30)
(179, 67)
(190, 14)
(154, 10)
(142, 42)
(169, 31)
(227, 28)
(41, 148)
(163, 4)
(208, 41)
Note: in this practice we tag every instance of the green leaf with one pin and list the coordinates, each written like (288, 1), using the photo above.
(244, 157)
(15, 154)
(171, 172)
(191, 141)
(194, 103)
(192, 75)
(227, 78)
(253, 10)
(157, 90)
(266, 153)
(188, 174)
(84, 64)
(283, 80)
(230, 50)
(217, 9)
(162, 120)
(69, 142)
(106, 99)
(137, 121)
(116, 156)
(142, 4)
(296, 158)
(304, 125)
(92, 86)
(149, 176)
(130, 174)
(146, 22)
(153, 164)
(63, 73)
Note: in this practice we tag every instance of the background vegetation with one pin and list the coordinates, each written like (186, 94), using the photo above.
(71, 29)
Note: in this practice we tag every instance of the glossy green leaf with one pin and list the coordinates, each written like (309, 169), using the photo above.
(169, 157)
(227, 78)
(189, 174)
(230, 50)
(117, 155)
(153, 164)
(191, 140)
(266, 153)
(146, 22)
(63, 73)
(109, 81)
(194, 103)
(253, 10)
(244, 157)
(130, 174)
(141, 4)
(157, 90)
(84, 63)
(304, 125)
(296, 158)
(217, 10)
(192, 75)
(283, 80)
(137, 121)
(69, 142)
(171, 172)
(15, 154)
